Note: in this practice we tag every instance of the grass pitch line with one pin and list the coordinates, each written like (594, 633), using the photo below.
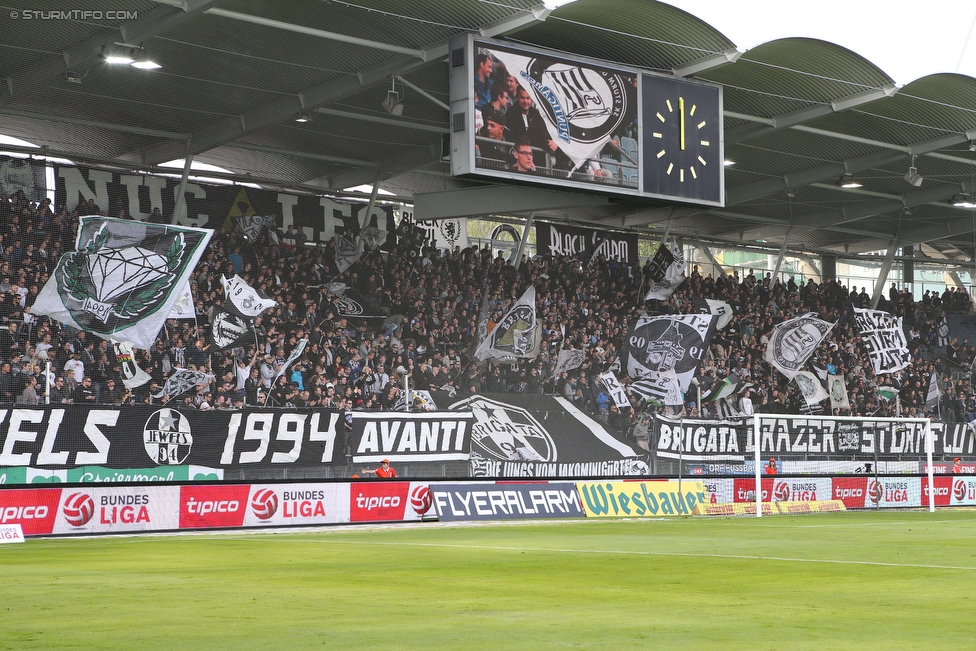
(653, 553)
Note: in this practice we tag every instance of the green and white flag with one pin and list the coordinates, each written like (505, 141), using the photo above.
(123, 278)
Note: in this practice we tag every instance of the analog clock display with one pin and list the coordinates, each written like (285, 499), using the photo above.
(681, 135)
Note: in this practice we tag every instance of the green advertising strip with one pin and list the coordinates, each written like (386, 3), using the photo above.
(622, 499)
(99, 474)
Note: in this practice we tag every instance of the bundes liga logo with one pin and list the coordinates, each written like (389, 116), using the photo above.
(264, 504)
(78, 509)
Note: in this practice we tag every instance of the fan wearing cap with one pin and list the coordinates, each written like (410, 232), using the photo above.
(956, 466)
(770, 468)
(385, 471)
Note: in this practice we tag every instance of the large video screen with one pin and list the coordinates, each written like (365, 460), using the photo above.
(553, 119)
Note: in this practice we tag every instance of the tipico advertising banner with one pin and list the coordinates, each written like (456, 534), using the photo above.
(506, 501)
(640, 498)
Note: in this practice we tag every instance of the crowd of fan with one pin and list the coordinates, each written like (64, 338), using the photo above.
(434, 299)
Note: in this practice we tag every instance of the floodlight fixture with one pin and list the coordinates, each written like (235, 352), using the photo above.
(848, 181)
(305, 116)
(394, 101)
(962, 200)
(143, 62)
(117, 54)
(913, 176)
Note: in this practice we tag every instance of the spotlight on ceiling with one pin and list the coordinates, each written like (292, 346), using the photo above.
(913, 176)
(394, 101)
(117, 55)
(728, 163)
(143, 62)
(848, 181)
(962, 200)
(305, 116)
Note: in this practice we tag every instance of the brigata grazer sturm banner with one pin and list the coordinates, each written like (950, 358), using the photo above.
(149, 437)
(797, 437)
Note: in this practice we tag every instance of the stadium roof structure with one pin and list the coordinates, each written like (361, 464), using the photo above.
(799, 113)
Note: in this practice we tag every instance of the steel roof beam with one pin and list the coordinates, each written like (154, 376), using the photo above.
(385, 168)
(707, 63)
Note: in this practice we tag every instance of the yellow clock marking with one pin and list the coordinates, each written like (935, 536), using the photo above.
(701, 124)
(682, 171)
(657, 135)
(681, 103)
(670, 167)
(660, 153)
(670, 108)
(660, 117)
(693, 107)
(704, 143)
(692, 170)
(702, 161)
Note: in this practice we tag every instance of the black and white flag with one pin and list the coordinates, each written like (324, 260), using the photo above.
(517, 335)
(243, 300)
(837, 389)
(721, 309)
(374, 237)
(353, 305)
(942, 331)
(884, 338)
(810, 388)
(123, 277)
(254, 225)
(228, 330)
(667, 271)
(793, 342)
(666, 350)
(183, 308)
(132, 375)
(295, 354)
(570, 359)
(615, 390)
(347, 253)
(183, 380)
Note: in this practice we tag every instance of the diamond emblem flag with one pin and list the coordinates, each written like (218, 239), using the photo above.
(570, 359)
(838, 392)
(123, 279)
(182, 381)
(254, 225)
(813, 392)
(244, 300)
(793, 342)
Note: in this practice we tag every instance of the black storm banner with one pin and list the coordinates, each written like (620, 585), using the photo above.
(558, 240)
(143, 437)
(797, 437)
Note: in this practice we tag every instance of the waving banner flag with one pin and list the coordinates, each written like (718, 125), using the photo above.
(183, 380)
(810, 387)
(123, 278)
(183, 307)
(662, 350)
(254, 225)
(518, 334)
(132, 375)
(295, 354)
(243, 300)
(793, 342)
(228, 330)
(567, 360)
(884, 338)
(347, 253)
(374, 237)
(838, 392)
(353, 305)
(721, 309)
(667, 271)
(615, 390)
(935, 392)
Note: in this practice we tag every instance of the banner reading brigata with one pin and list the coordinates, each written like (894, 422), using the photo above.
(187, 441)
(732, 441)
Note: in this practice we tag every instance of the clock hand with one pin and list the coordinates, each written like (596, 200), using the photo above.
(681, 106)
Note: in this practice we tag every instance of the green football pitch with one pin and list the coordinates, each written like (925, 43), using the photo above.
(894, 580)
